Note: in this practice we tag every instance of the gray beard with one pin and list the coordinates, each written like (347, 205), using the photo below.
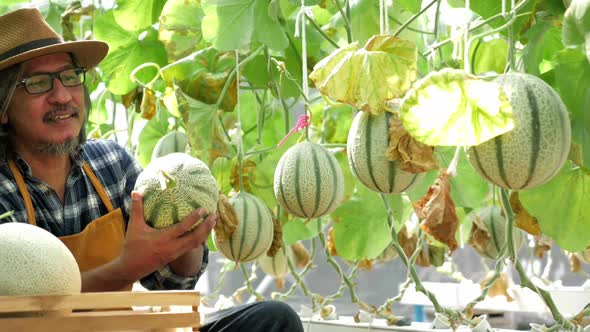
(56, 149)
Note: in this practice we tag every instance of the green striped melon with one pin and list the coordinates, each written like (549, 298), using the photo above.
(276, 266)
(367, 144)
(254, 234)
(308, 181)
(490, 220)
(173, 186)
(174, 141)
(538, 146)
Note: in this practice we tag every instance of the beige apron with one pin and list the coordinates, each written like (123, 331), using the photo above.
(101, 241)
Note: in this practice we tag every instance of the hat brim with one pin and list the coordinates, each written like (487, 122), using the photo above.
(89, 53)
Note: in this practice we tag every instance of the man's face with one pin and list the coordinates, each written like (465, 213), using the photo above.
(49, 122)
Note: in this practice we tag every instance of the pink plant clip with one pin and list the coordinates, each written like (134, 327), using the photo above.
(302, 123)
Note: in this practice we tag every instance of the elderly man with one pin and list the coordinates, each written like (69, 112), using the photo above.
(82, 191)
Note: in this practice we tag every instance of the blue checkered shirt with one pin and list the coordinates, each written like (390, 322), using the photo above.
(117, 172)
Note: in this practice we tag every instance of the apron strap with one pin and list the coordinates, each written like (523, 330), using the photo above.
(98, 187)
(20, 182)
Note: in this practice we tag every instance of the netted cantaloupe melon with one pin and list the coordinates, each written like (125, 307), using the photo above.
(35, 262)
(173, 186)
(367, 144)
(254, 234)
(538, 146)
(308, 181)
(488, 232)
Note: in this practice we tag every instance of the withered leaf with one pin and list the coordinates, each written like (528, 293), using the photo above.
(148, 104)
(574, 262)
(414, 156)
(331, 243)
(542, 245)
(409, 242)
(247, 172)
(499, 287)
(479, 237)
(277, 240)
(228, 221)
(523, 219)
(301, 254)
(437, 211)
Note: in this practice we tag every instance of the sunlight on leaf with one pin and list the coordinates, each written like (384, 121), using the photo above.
(366, 78)
(134, 15)
(449, 107)
(565, 217)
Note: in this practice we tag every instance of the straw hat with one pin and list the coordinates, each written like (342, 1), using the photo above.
(26, 35)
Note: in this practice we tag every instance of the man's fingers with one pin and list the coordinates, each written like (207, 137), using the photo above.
(136, 216)
(200, 234)
(177, 230)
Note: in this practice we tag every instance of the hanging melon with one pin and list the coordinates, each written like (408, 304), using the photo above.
(254, 234)
(367, 144)
(308, 181)
(488, 232)
(173, 186)
(538, 146)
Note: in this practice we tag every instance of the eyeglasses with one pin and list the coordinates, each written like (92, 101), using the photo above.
(42, 83)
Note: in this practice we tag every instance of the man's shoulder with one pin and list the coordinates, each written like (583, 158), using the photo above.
(102, 152)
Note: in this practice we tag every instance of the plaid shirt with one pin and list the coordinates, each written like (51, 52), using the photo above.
(117, 172)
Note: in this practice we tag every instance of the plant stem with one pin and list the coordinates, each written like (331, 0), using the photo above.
(248, 280)
(414, 17)
(412, 269)
(347, 24)
(233, 73)
(524, 279)
(322, 32)
(299, 276)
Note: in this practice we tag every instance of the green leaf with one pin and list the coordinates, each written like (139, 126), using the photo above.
(180, 28)
(267, 29)
(296, 230)
(126, 52)
(451, 108)
(576, 25)
(572, 73)
(544, 40)
(203, 128)
(234, 24)
(361, 229)
(135, 15)
(560, 206)
(151, 133)
(366, 78)
(489, 56)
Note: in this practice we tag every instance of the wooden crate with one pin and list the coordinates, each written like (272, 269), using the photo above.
(105, 311)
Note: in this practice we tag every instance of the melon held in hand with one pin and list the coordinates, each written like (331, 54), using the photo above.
(173, 186)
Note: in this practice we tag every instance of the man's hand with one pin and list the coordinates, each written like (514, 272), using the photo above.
(147, 249)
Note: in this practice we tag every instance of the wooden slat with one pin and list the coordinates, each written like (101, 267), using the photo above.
(106, 321)
(103, 300)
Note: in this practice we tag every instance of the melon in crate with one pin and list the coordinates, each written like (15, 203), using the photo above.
(538, 146)
(367, 144)
(173, 186)
(308, 181)
(254, 234)
(35, 262)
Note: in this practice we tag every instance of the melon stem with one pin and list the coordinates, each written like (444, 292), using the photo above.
(167, 181)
